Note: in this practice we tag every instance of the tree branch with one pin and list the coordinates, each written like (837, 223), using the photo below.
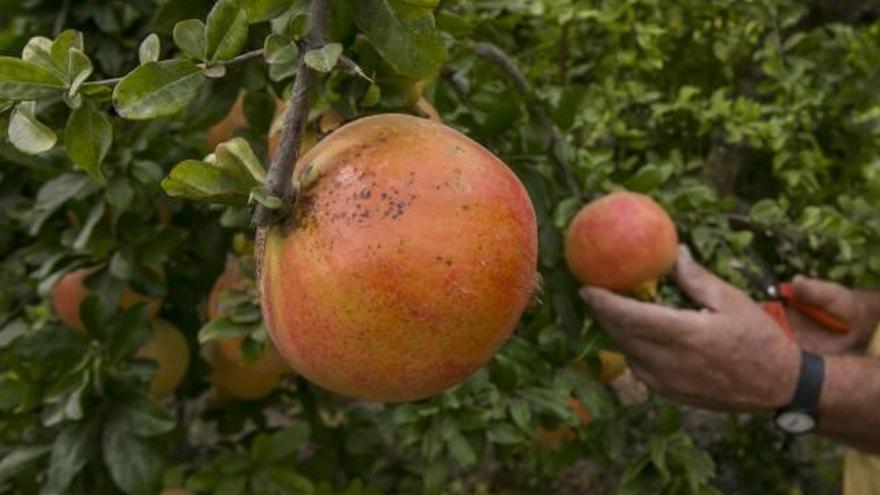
(724, 163)
(491, 53)
(278, 179)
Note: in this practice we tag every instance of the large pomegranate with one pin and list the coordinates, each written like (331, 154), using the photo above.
(623, 241)
(407, 262)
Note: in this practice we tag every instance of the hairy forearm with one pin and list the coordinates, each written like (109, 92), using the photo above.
(849, 409)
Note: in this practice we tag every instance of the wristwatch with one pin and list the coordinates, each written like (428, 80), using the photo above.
(800, 416)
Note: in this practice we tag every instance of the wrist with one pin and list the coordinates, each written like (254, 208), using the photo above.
(834, 391)
(787, 377)
(801, 415)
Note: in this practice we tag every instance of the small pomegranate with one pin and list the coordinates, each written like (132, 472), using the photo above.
(623, 242)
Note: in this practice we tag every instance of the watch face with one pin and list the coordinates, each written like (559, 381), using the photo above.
(795, 422)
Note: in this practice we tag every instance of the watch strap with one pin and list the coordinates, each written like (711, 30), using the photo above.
(809, 385)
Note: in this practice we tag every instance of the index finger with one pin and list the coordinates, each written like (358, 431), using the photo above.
(624, 318)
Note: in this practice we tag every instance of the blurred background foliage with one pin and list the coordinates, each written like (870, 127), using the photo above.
(755, 123)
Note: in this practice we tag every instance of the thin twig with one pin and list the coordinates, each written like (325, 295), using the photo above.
(278, 179)
(103, 82)
(244, 57)
(491, 53)
(456, 82)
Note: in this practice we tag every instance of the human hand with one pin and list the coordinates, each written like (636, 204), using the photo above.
(729, 356)
(860, 310)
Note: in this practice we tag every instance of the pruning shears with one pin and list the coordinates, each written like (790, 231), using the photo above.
(780, 295)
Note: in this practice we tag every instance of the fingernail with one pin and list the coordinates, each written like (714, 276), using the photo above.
(585, 293)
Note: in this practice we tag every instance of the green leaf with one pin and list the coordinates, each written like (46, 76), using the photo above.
(768, 211)
(20, 459)
(222, 328)
(263, 10)
(39, 51)
(228, 180)
(134, 463)
(405, 35)
(520, 413)
(279, 50)
(215, 71)
(259, 195)
(237, 157)
(657, 452)
(28, 134)
(461, 449)
(157, 89)
(565, 211)
(22, 80)
(55, 193)
(87, 140)
(70, 452)
(79, 68)
(143, 417)
(324, 59)
(64, 42)
(426, 4)
(290, 440)
(95, 215)
(226, 31)
(371, 96)
(189, 36)
(202, 181)
(149, 49)
(505, 434)
(647, 179)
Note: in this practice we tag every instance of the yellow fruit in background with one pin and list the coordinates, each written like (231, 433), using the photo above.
(169, 349)
(236, 381)
(270, 362)
(613, 365)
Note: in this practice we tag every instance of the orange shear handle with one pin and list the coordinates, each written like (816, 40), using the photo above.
(776, 310)
(818, 315)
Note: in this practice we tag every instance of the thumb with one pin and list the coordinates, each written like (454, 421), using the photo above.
(833, 298)
(704, 287)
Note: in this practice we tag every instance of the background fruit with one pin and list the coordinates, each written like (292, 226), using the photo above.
(70, 291)
(755, 124)
(554, 438)
(224, 130)
(169, 349)
(270, 362)
(623, 242)
(233, 380)
(233, 279)
(613, 365)
(402, 275)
